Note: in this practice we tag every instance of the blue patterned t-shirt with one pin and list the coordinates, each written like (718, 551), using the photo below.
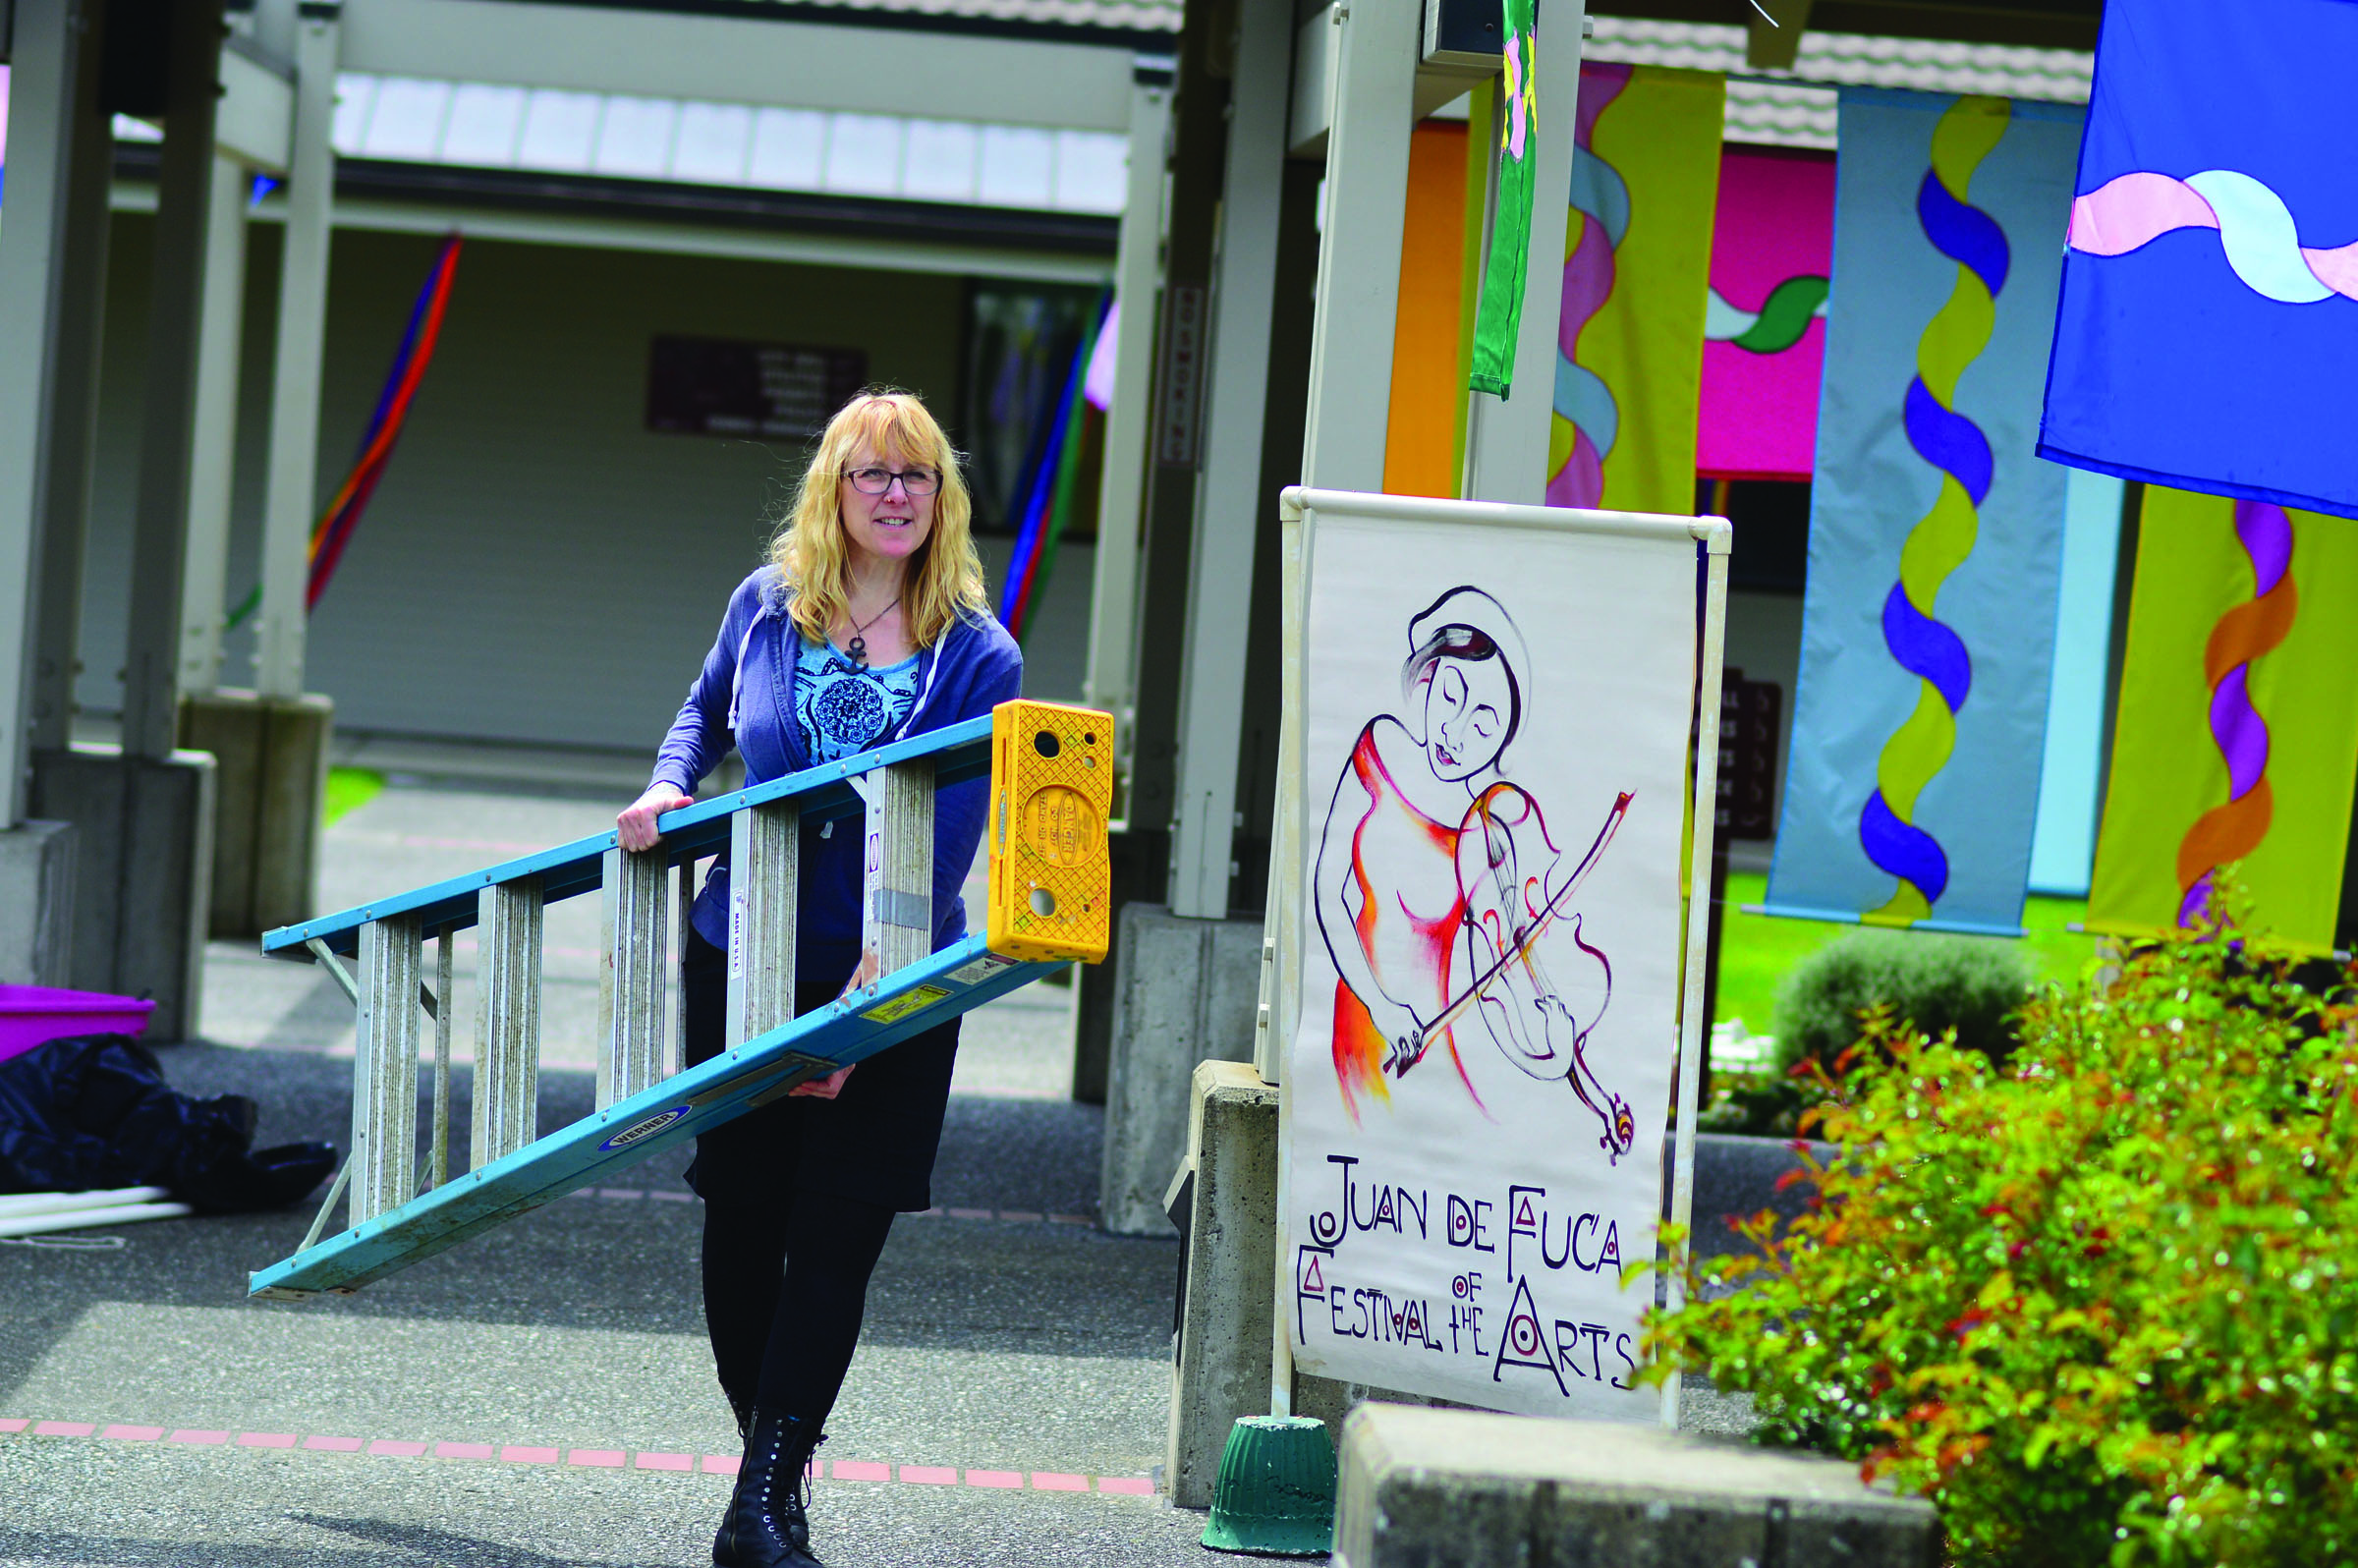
(842, 710)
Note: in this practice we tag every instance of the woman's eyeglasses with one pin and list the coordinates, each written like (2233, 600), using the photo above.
(876, 480)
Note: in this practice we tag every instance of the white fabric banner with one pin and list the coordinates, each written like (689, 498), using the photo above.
(1494, 779)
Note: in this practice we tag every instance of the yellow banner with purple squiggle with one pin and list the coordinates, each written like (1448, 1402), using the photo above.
(2237, 736)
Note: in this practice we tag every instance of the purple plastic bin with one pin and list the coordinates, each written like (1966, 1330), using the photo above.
(31, 1014)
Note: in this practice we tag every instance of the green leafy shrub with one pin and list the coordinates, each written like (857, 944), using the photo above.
(1971, 984)
(2100, 1304)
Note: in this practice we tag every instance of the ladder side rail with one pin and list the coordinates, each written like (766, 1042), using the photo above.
(959, 753)
(507, 1031)
(583, 1152)
(385, 1071)
(439, 1165)
(629, 973)
(683, 910)
(899, 919)
(764, 871)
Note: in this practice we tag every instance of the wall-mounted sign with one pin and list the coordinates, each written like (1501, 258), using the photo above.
(722, 387)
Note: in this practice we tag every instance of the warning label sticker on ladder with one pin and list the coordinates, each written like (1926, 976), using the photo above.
(901, 1006)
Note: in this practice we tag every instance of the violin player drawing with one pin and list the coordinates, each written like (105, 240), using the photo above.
(1441, 893)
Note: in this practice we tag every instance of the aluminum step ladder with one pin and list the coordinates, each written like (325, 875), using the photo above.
(1052, 786)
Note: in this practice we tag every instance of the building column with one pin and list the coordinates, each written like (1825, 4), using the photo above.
(272, 741)
(1138, 291)
(52, 250)
(1230, 510)
(204, 581)
(168, 427)
(1359, 254)
(293, 483)
(144, 809)
(52, 266)
(1187, 172)
(1507, 440)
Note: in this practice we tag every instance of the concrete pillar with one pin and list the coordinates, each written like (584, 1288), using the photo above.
(168, 425)
(1506, 440)
(1359, 256)
(78, 325)
(291, 501)
(1421, 1486)
(1226, 1203)
(1183, 993)
(1191, 181)
(37, 903)
(1230, 509)
(205, 580)
(52, 281)
(143, 873)
(271, 757)
(52, 261)
(1137, 288)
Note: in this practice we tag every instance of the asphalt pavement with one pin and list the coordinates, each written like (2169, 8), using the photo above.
(544, 1395)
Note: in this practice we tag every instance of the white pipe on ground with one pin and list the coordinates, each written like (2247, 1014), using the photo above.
(24, 1204)
(78, 1218)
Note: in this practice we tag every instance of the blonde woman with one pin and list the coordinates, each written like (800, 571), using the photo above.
(869, 624)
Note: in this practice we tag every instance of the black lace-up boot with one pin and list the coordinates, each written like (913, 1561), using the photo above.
(766, 1526)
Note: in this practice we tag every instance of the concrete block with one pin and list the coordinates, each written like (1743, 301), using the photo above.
(271, 757)
(36, 904)
(1185, 991)
(143, 874)
(1227, 1273)
(1420, 1488)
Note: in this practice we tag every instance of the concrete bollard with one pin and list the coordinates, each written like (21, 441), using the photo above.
(1221, 1366)
(271, 754)
(1425, 1488)
(37, 903)
(1185, 993)
(144, 869)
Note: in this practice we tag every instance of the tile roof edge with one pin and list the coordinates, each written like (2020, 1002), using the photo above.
(1150, 40)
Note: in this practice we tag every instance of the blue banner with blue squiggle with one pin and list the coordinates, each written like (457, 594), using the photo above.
(1935, 531)
(2208, 329)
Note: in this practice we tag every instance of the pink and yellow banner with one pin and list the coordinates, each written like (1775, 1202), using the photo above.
(1637, 272)
(2237, 740)
(1764, 349)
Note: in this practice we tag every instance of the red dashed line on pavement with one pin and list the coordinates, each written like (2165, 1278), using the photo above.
(845, 1470)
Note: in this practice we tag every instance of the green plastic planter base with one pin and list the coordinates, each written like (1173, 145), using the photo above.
(1275, 1496)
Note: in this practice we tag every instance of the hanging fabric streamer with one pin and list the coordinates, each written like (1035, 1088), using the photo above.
(1637, 270)
(336, 526)
(2237, 736)
(2210, 309)
(1500, 316)
(1048, 505)
(1936, 533)
(1764, 352)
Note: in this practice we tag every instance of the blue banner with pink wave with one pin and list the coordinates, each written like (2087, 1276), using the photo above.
(2208, 324)
(1936, 531)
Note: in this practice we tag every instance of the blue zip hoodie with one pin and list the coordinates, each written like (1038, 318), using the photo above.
(745, 695)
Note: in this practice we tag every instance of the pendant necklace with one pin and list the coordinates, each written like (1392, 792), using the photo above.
(857, 649)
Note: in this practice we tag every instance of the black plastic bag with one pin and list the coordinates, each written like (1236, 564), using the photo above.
(94, 1112)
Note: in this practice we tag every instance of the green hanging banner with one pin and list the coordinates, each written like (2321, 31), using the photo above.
(1500, 317)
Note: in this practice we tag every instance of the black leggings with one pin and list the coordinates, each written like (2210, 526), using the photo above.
(785, 1289)
(785, 1269)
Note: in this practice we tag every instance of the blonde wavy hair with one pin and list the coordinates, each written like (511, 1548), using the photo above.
(945, 575)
